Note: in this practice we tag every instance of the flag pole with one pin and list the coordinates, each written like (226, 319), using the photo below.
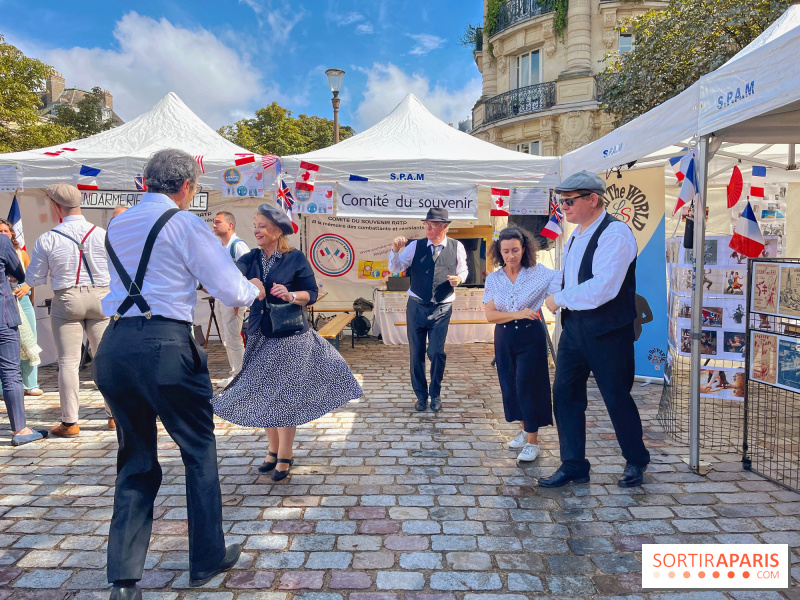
(698, 266)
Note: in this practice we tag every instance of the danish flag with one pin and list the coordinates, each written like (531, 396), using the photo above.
(199, 160)
(500, 198)
(306, 176)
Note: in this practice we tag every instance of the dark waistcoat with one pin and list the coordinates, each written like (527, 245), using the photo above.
(429, 278)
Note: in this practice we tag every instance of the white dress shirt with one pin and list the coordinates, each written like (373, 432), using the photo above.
(400, 261)
(59, 257)
(616, 250)
(532, 286)
(184, 253)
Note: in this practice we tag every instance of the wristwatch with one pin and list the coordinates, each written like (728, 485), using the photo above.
(294, 297)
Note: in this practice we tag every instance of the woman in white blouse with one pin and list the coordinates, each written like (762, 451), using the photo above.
(513, 295)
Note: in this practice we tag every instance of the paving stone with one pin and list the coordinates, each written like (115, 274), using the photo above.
(282, 560)
(591, 546)
(329, 560)
(406, 542)
(400, 580)
(373, 560)
(299, 580)
(570, 565)
(350, 581)
(569, 585)
(522, 582)
(453, 542)
(43, 579)
(312, 543)
(469, 561)
(617, 563)
(465, 581)
(421, 560)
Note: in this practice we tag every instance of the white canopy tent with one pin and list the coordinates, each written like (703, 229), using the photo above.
(753, 98)
(412, 140)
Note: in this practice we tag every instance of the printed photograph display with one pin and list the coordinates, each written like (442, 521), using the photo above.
(710, 254)
(789, 303)
(711, 281)
(764, 357)
(734, 282)
(668, 367)
(733, 343)
(789, 363)
(734, 315)
(712, 316)
(708, 342)
(764, 296)
(727, 384)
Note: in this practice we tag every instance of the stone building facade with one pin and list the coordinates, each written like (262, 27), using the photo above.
(540, 94)
(57, 93)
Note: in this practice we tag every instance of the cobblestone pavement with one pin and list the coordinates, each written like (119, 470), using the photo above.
(384, 503)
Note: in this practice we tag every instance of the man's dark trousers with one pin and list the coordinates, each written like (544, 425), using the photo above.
(11, 376)
(427, 322)
(147, 368)
(610, 358)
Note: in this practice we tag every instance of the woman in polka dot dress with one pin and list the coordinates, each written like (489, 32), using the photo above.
(286, 379)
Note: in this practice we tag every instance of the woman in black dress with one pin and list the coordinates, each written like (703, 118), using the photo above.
(287, 379)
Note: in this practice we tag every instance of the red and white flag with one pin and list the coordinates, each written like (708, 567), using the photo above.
(267, 160)
(306, 176)
(757, 182)
(59, 152)
(199, 160)
(747, 240)
(500, 197)
(244, 159)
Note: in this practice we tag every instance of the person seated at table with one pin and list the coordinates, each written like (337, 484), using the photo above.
(513, 295)
(290, 375)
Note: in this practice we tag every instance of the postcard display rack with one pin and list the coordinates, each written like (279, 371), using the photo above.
(772, 402)
(723, 343)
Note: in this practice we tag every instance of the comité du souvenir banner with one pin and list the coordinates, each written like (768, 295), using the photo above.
(406, 200)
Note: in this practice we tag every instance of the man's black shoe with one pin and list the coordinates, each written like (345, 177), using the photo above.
(421, 405)
(631, 476)
(560, 478)
(232, 554)
(436, 404)
(126, 592)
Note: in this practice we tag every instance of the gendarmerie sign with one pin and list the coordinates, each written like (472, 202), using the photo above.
(114, 198)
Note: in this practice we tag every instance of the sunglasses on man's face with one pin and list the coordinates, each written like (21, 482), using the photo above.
(571, 201)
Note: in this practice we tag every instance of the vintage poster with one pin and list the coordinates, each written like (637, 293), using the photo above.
(764, 357)
(733, 345)
(764, 296)
(711, 316)
(726, 384)
(733, 315)
(790, 291)
(243, 182)
(789, 363)
(734, 282)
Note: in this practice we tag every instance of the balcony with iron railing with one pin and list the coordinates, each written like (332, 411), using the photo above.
(529, 99)
(512, 12)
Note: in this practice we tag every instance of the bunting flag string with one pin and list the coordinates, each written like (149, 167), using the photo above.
(758, 180)
(306, 176)
(285, 201)
(244, 159)
(747, 239)
(86, 178)
(15, 218)
(199, 160)
(553, 227)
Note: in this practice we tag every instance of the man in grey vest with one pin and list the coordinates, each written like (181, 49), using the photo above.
(436, 266)
(598, 308)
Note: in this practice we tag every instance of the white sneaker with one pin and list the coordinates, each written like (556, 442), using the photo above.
(224, 382)
(519, 441)
(529, 453)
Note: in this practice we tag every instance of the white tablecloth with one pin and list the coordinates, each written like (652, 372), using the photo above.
(390, 308)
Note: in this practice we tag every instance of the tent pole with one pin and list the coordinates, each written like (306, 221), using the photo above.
(697, 301)
(792, 158)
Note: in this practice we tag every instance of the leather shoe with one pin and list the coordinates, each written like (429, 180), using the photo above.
(631, 476)
(127, 592)
(560, 478)
(232, 554)
(421, 405)
(436, 404)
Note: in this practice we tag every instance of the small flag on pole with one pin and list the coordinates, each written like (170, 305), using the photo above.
(244, 159)
(688, 188)
(681, 163)
(86, 178)
(500, 197)
(15, 218)
(140, 185)
(268, 160)
(747, 240)
(358, 178)
(199, 160)
(306, 176)
(285, 202)
(553, 227)
(757, 181)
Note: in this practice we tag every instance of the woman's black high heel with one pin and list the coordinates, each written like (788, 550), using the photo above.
(279, 475)
(268, 466)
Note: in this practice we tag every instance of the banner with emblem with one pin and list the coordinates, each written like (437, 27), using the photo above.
(638, 200)
(243, 182)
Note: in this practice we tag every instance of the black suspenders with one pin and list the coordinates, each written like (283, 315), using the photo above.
(134, 286)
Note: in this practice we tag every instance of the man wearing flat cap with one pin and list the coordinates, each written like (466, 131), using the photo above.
(73, 255)
(598, 308)
(149, 366)
(436, 265)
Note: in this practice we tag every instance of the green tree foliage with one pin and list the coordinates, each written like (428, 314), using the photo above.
(275, 131)
(21, 80)
(676, 46)
(88, 118)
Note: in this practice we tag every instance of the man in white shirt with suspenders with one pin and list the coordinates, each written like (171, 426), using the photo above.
(230, 318)
(72, 253)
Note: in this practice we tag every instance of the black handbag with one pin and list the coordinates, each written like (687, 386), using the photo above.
(284, 318)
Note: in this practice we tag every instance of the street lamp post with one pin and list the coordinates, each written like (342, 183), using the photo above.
(335, 77)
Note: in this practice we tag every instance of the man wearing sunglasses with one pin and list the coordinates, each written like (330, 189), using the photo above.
(598, 308)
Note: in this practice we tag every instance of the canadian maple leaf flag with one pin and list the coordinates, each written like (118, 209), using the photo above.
(500, 202)
(306, 176)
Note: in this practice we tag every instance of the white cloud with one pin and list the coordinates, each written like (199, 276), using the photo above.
(155, 57)
(387, 85)
(365, 29)
(280, 19)
(346, 19)
(425, 43)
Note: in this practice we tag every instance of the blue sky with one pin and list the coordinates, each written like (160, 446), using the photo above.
(227, 58)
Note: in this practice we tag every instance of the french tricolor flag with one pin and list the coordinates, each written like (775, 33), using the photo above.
(747, 240)
(15, 218)
(326, 252)
(688, 188)
(757, 181)
(500, 198)
(680, 164)
(86, 179)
